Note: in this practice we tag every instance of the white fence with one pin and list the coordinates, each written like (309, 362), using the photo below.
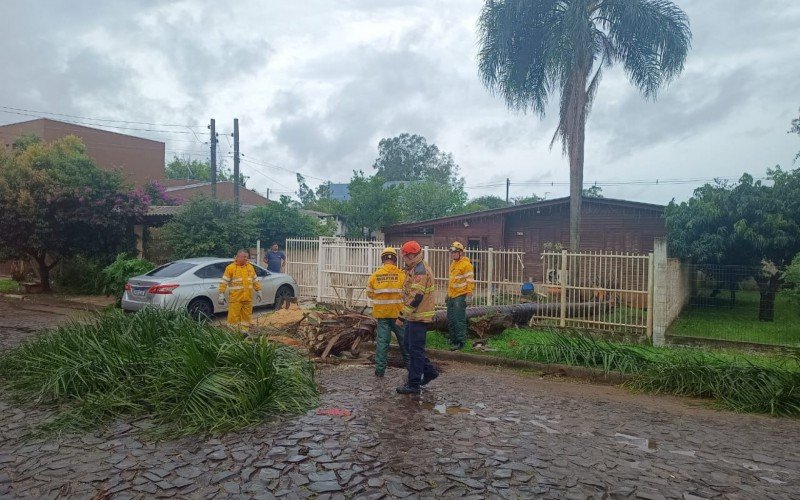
(599, 291)
(336, 270)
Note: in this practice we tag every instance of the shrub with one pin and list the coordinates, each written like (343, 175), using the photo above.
(190, 377)
(79, 275)
(116, 274)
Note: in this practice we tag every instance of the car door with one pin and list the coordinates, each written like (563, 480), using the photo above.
(268, 287)
(211, 276)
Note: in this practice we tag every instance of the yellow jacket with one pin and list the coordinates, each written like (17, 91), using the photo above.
(241, 281)
(462, 281)
(385, 288)
(419, 281)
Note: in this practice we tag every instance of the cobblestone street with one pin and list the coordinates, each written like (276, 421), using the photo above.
(478, 432)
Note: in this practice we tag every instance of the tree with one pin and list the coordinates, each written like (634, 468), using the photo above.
(522, 200)
(593, 192)
(55, 203)
(371, 206)
(430, 200)
(157, 195)
(409, 157)
(305, 193)
(277, 221)
(484, 203)
(206, 227)
(184, 168)
(747, 224)
(530, 48)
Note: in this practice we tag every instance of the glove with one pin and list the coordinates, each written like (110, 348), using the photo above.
(468, 300)
(221, 299)
(258, 296)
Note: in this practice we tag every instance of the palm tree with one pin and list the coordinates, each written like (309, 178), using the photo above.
(532, 48)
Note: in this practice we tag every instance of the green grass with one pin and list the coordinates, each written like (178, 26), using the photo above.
(741, 323)
(189, 377)
(745, 382)
(8, 286)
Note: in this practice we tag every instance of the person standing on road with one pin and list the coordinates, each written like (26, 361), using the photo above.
(459, 295)
(415, 316)
(275, 259)
(239, 279)
(385, 289)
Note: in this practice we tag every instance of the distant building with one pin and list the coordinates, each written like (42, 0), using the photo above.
(341, 228)
(197, 189)
(139, 160)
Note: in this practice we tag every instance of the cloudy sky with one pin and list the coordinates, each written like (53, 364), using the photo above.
(317, 83)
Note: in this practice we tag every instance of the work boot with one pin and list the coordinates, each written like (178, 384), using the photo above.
(406, 389)
(428, 379)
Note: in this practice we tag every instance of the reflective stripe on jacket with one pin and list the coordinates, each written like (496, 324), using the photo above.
(419, 280)
(385, 288)
(240, 281)
(462, 280)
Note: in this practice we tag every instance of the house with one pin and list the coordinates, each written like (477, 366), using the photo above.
(186, 189)
(341, 228)
(607, 224)
(140, 160)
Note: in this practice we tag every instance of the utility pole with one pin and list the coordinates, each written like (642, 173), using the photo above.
(267, 194)
(236, 162)
(213, 159)
(508, 184)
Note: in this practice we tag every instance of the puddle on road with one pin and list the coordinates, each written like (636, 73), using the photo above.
(447, 408)
(644, 444)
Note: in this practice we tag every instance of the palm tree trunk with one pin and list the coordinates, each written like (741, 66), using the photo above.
(576, 132)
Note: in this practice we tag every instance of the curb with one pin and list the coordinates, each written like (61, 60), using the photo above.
(578, 372)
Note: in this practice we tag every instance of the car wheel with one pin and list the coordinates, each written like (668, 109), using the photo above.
(201, 308)
(284, 292)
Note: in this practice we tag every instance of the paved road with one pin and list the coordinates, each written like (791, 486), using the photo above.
(478, 432)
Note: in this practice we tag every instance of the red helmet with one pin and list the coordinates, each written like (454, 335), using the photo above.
(411, 247)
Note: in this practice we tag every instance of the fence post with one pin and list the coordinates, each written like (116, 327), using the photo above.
(563, 280)
(659, 291)
(650, 292)
(258, 251)
(425, 254)
(320, 266)
(489, 275)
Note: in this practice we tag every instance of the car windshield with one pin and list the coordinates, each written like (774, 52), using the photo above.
(170, 270)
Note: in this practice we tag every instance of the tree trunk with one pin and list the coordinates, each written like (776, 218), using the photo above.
(768, 288)
(575, 136)
(44, 273)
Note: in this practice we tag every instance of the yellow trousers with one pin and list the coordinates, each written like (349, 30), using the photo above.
(239, 314)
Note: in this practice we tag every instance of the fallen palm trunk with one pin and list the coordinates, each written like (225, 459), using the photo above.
(521, 314)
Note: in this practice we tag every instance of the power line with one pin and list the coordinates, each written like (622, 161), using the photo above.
(101, 119)
(632, 182)
(272, 165)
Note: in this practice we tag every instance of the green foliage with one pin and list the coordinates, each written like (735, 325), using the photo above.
(8, 286)
(430, 200)
(409, 157)
(484, 203)
(208, 227)
(522, 200)
(740, 224)
(795, 129)
(275, 222)
(79, 275)
(55, 203)
(791, 276)
(184, 168)
(116, 274)
(593, 192)
(189, 377)
(371, 206)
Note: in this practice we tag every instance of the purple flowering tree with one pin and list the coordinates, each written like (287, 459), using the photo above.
(55, 203)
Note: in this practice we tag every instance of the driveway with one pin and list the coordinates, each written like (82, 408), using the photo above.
(478, 432)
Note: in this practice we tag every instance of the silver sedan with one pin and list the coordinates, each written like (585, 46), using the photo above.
(194, 284)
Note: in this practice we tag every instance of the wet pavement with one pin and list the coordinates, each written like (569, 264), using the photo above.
(477, 432)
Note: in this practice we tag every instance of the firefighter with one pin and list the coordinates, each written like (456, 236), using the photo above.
(415, 316)
(385, 289)
(240, 279)
(459, 295)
